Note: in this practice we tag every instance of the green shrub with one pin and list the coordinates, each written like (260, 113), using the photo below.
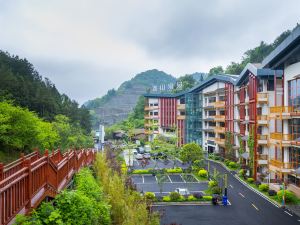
(175, 170)
(289, 196)
(191, 198)
(175, 196)
(232, 165)
(145, 171)
(227, 161)
(203, 173)
(150, 196)
(166, 199)
(263, 187)
(207, 198)
(216, 190)
(250, 180)
(242, 172)
(212, 183)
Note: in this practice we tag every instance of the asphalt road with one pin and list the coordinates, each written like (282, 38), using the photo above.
(247, 208)
(159, 164)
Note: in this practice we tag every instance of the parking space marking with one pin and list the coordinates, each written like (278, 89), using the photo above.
(170, 179)
(155, 178)
(241, 195)
(230, 186)
(255, 207)
(143, 179)
(198, 181)
(288, 213)
(182, 178)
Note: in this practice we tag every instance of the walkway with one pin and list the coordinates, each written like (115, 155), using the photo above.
(27, 181)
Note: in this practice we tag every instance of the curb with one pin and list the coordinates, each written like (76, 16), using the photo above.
(257, 192)
(221, 165)
(181, 203)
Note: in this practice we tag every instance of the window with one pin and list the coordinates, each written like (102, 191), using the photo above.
(270, 85)
(222, 98)
(294, 94)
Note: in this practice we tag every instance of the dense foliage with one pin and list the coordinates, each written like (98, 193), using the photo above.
(191, 152)
(83, 206)
(21, 83)
(127, 206)
(23, 130)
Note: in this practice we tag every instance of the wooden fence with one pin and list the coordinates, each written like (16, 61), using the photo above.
(27, 181)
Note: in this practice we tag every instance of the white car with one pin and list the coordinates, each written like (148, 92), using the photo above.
(182, 191)
(147, 156)
(139, 156)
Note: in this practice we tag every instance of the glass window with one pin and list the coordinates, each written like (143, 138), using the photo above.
(270, 85)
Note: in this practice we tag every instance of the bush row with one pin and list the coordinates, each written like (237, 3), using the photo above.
(153, 171)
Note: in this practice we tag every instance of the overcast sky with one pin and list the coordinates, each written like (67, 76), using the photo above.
(89, 46)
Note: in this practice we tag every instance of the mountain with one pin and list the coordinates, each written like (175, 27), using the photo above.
(117, 104)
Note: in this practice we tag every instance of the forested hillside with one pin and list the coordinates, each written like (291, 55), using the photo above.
(33, 114)
(116, 105)
(21, 83)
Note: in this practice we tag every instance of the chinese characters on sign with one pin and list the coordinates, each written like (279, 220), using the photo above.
(167, 87)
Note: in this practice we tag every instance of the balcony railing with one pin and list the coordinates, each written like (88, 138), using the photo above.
(262, 137)
(220, 141)
(281, 109)
(148, 108)
(262, 157)
(281, 165)
(181, 107)
(262, 117)
(262, 97)
(220, 117)
(220, 104)
(181, 117)
(219, 129)
(281, 137)
(149, 117)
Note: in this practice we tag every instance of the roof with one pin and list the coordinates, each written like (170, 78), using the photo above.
(212, 79)
(256, 70)
(278, 56)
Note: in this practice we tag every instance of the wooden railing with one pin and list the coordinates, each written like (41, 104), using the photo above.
(262, 117)
(262, 137)
(262, 97)
(281, 109)
(219, 104)
(219, 129)
(280, 164)
(219, 141)
(147, 108)
(181, 107)
(281, 137)
(26, 182)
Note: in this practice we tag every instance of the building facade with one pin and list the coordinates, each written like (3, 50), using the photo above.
(257, 112)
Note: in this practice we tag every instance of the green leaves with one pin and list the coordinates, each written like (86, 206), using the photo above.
(191, 152)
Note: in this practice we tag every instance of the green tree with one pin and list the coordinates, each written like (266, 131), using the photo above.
(191, 152)
(216, 71)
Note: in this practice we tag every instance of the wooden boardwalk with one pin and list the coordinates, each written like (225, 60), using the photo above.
(27, 181)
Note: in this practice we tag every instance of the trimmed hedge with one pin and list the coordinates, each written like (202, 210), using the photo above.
(150, 196)
(250, 180)
(175, 170)
(203, 173)
(289, 196)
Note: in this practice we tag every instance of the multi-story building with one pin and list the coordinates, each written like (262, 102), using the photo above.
(260, 107)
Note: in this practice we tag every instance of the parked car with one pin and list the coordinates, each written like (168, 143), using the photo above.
(182, 191)
(147, 156)
(139, 156)
(147, 148)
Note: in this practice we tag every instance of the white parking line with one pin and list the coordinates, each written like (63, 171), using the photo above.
(143, 179)
(182, 178)
(170, 179)
(241, 195)
(155, 178)
(288, 213)
(255, 207)
(195, 178)
(230, 186)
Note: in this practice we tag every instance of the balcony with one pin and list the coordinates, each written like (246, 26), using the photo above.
(219, 141)
(262, 159)
(282, 139)
(181, 107)
(262, 120)
(150, 117)
(181, 117)
(149, 108)
(220, 118)
(262, 139)
(151, 124)
(219, 129)
(279, 166)
(219, 104)
(281, 112)
(262, 97)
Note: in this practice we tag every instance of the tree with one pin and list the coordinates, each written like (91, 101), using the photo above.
(187, 82)
(251, 146)
(216, 71)
(229, 152)
(191, 152)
